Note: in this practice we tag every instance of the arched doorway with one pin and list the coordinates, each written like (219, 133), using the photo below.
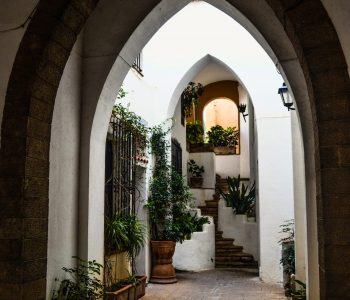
(222, 112)
(33, 85)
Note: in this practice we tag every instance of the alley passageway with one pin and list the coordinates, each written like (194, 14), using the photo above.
(218, 284)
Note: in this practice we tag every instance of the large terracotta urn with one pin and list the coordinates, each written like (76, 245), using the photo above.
(163, 270)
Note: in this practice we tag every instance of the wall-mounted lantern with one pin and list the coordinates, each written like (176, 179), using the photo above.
(286, 97)
(242, 108)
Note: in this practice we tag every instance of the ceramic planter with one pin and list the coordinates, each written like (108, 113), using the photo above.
(196, 182)
(163, 270)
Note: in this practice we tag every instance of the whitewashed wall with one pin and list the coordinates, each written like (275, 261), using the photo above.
(234, 226)
(228, 165)
(275, 189)
(200, 195)
(64, 171)
(299, 200)
(198, 253)
(207, 160)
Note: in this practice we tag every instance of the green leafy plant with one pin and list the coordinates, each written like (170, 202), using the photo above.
(194, 169)
(125, 233)
(190, 97)
(169, 195)
(131, 279)
(240, 197)
(83, 284)
(218, 136)
(192, 223)
(194, 132)
(134, 123)
(121, 93)
(288, 248)
(300, 293)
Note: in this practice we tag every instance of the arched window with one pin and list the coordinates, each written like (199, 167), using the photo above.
(220, 111)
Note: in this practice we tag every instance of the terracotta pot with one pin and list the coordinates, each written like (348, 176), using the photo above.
(140, 287)
(123, 293)
(225, 150)
(163, 270)
(196, 182)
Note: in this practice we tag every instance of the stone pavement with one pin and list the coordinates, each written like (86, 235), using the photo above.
(218, 284)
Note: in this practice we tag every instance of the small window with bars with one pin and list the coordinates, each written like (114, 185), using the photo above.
(137, 65)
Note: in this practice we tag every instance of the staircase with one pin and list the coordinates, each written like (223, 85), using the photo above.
(227, 254)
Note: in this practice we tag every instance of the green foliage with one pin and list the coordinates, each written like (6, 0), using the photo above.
(218, 136)
(194, 132)
(288, 258)
(300, 293)
(288, 249)
(192, 223)
(83, 284)
(240, 197)
(125, 233)
(132, 279)
(169, 194)
(121, 93)
(130, 118)
(194, 169)
(190, 97)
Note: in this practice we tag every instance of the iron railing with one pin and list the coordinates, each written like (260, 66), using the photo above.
(137, 65)
(121, 180)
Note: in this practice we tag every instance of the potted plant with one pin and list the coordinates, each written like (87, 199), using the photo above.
(194, 133)
(130, 288)
(167, 204)
(196, 179)
(126, 233)
(240, 197)
(227, 138)
(190, 97)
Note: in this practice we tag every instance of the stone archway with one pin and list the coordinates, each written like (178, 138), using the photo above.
(307, 47)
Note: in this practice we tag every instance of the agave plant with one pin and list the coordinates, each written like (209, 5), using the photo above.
(240, 197)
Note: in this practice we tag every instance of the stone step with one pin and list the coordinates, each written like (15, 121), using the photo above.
(231, 253)
(211, 203)
(208, 208)
(243, 258)
(218, 236)
(226, 248)
(224, 241)
(236, 264)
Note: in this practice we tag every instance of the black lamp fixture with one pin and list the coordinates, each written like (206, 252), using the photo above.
(242, 108)
(286, 97)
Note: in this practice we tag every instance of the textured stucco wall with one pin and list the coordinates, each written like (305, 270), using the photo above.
(64, 171)
(198, 253)
(244, 233)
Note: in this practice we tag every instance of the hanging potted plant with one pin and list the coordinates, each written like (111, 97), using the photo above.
(167, 204)
(190, 98)
(196, 179)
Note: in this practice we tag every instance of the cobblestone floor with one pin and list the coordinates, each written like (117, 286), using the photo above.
(218, 284)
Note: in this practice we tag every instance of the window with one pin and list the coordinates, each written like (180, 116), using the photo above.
(176, 156)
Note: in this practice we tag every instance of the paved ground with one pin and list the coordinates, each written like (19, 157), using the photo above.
(218, 284)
